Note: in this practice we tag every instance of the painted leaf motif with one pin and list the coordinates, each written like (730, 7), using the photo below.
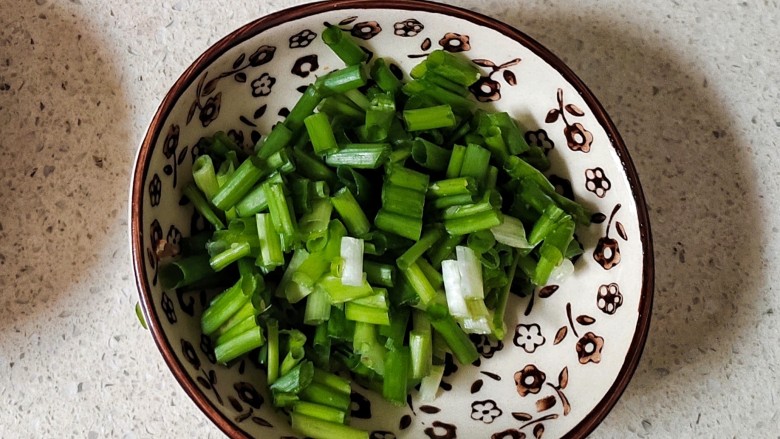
(539, 431)
(240, 77)
(552, 115)
(348, 20)
(236, 405)
(545, 403)
(598, 218)
(204, 382)
(302, 89)
(260, 111)
(426, 44)
(199, 88)
(240, 60)
(191, 113)
(243, 416)
(621, 230)
(509, 77)
(476, 386)
(510, 63)
(548, 291)
(522, 416)
(246, 121)
(565, 404)
(563, 378)
(484, 62)
(561, 334)
(261, 421)
(182, 155)
(429, 409)
(585, 320)
(574, 110)
(210, 87)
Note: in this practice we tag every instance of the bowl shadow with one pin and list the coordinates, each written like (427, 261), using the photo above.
(697, 178)
(64, 177)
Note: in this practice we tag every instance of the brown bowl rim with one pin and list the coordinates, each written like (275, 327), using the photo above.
(604, 406)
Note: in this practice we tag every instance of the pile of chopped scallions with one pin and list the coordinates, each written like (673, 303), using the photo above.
(369, 234)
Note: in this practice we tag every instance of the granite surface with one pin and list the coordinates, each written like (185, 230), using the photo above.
(693, 87)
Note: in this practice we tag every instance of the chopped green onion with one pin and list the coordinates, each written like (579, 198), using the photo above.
(440, 116)
(350, 212)
(321, 133)
(360, 155)
(343, 46)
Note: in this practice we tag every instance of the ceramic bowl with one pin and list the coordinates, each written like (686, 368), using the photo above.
(571, 346)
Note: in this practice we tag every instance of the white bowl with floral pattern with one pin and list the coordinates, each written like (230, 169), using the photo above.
(571, 347)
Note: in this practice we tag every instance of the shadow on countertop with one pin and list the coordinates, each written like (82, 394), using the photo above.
(698, 178)
(63, 182)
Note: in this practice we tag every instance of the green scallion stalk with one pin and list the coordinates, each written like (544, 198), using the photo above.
(401, 225)
(351, 213)
(457, 340)
(456, 161)
(252, 203)
(459, 104)
(426, 241)
(358, 98)
(239, 345)
(295, 380)
(359, 185)
(404, 177)
(317, 308)
(303, 108)
(271, 255)
(432, 274)
(343, 46)
(204, 176)
(280, 211)
(378, 273)
(313, 226)
(338, 105)
(219, 261)
(360, 155)
(396, 375)
(429, 385)
(319, 411)
(321, 133)
(343, 80)
(340, 293)
(202, 206)
(186, 271)
(403, 201)
(449, 66)
(384, 77)
(420, 344)
(235, 326)
(452, 201)
(280, 136)
(313, 168)
(226, 304)
(475, 163)
(470, 224)
(440, 116)
(366, 314)
(325, 395)
(419, 283)
(443, 249)
(272, 359)
(452, 187)
(321, 429)
(430, 155)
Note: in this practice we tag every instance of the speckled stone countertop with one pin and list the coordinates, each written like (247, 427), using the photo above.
(694, 88)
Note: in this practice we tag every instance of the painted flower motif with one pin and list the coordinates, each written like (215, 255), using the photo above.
(262, 86)
(578, 138)
(528, 337)
(529, 380)
(171, 141)
(453, 42)
(166, 304)
(198, 149)
(408, 28)
(597, 182)
(210, 110)
(237, 136)
(302, 39)
(609, 298)
(449, 431)
(589, 348)
(262, 55)
(247, 393)
(189, 353)
(486, 89)
(174, 235)
(365, 30)
(155, 190)
(305, 65)
(207, 347)
(485, 411)
(486, 346)
(539, 138)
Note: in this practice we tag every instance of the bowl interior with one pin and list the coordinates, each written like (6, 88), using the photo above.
(571, 346)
